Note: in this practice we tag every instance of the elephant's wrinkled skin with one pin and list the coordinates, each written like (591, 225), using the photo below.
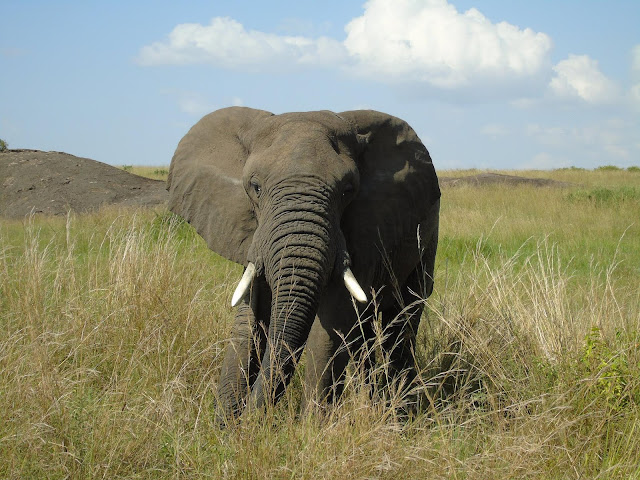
(299, 198)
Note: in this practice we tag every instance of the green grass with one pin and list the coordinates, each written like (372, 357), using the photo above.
(155, 173)
(113, 326)
(606, 196)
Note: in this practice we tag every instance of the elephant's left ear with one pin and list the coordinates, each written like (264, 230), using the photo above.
(398, 183)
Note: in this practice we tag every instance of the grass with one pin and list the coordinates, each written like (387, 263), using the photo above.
(155, 173)
(114, 323)
(602, 196)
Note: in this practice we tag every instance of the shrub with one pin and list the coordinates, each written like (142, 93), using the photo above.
(633, 169)
(607, 168)
(127, 168)
(4, 146)
(608, 370)
(572, 168)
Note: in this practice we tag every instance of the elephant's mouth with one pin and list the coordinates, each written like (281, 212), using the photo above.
(244, 286)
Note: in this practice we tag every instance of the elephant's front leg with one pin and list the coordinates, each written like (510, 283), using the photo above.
(400, 323)
(401, 320)
(336, 337)
(241, 363)
(400, 327)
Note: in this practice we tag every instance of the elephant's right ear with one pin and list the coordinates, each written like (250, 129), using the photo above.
(205, 180)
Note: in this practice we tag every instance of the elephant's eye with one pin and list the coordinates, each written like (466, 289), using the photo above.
(348, 190)
(255, 186)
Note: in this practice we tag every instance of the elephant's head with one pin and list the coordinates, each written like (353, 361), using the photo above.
(300, 199)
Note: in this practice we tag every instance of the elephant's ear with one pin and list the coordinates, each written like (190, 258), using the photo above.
(398, 192)
(205, 180)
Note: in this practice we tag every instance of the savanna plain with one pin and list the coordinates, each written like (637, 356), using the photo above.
(113, 324)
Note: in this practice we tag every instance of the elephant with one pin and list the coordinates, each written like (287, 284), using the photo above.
(328, 213)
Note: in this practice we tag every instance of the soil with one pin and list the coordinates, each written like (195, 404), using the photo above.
(52, 183)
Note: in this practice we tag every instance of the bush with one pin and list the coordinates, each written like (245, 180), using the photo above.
(607, 168)
(4, 146)
(608, 369)
(572, 168)
(633, 169)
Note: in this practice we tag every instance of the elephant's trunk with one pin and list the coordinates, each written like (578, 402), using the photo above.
(301, 255)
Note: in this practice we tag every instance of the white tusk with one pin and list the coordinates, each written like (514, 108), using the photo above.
(243, 286)
(353, 286)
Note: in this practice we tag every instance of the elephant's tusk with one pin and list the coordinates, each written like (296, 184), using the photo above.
(243, 286)
(353, 286)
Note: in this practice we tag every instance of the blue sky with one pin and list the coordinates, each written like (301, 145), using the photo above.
(491, 84)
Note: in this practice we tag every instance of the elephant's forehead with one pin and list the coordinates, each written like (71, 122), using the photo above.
(302, 123)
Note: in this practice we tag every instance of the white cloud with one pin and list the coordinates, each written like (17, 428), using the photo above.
(424, 43)
(430, 41)
(226, 43)
(578, 77)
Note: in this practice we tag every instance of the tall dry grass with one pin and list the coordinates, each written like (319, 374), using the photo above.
(102, 334)
(113, 326)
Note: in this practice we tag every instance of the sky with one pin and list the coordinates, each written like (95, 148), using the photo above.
(495, 84)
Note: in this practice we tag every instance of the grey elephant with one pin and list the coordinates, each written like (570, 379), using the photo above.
(321, 208)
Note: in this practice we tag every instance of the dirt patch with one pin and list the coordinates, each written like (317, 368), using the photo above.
(52, 183)
(483, 179)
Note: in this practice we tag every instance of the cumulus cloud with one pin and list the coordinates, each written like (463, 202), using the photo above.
(579, 77)
(226, 43)
(430, 41)
(425, 41)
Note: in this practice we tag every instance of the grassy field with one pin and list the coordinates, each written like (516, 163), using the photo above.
(113, 325)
